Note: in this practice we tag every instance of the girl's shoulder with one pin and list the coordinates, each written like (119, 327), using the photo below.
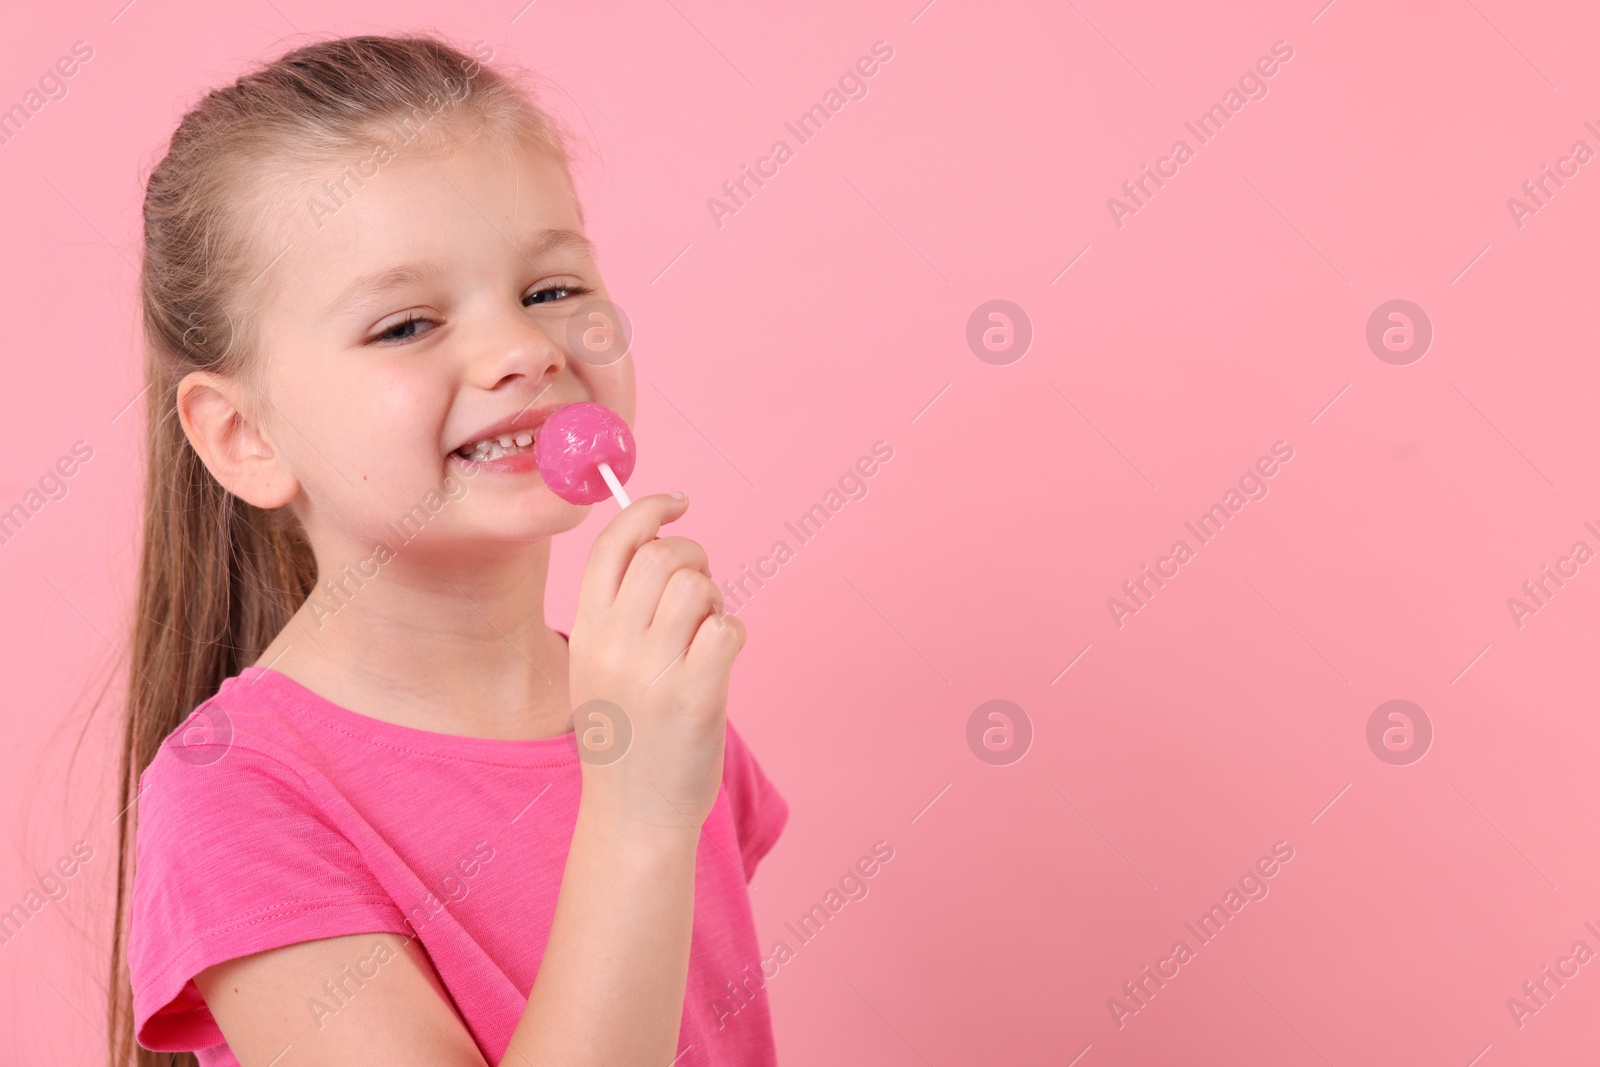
(239, 773)
(243, 714)
(241, 845)
(245, 742)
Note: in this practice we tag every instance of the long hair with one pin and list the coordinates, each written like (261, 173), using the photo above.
(218, 577)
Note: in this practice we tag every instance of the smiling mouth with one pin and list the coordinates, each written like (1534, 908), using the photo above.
(493, 448)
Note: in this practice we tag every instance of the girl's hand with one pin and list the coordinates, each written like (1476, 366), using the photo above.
(650, 656)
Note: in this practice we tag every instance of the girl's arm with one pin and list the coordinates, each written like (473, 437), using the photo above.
(264, 1006)
(650, 639)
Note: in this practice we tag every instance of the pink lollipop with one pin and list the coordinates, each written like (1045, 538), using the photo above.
(584, 451)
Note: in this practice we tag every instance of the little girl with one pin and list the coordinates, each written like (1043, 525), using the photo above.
(385, 813)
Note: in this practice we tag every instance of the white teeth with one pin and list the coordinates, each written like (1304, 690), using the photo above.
(492, 448)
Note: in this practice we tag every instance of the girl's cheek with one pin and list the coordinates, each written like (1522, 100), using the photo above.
(403, 413)
(612, 386)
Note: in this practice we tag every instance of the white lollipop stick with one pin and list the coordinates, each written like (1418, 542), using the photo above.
(611, 481)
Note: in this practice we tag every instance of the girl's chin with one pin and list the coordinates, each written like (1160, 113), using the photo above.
(518, 474)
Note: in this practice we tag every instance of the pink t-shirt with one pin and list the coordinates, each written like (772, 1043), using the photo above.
(273, 816)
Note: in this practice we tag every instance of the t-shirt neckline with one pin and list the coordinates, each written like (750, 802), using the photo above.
(370, 728)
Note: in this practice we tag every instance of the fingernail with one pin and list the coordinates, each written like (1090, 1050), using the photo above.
(676, 496)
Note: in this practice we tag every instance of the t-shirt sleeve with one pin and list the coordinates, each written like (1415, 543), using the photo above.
(232, 857)
(759, 810)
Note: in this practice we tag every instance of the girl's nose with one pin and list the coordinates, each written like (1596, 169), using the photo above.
(517, 346)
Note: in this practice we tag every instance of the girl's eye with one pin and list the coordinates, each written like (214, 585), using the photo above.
(400, 331)
(554, 292)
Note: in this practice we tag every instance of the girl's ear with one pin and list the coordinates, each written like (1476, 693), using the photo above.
(234, 448)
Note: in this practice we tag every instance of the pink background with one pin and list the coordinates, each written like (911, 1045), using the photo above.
(1229, 313)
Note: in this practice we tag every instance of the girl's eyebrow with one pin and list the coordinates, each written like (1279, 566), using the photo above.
(369, 287)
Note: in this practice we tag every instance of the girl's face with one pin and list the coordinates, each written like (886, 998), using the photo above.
(434, 300)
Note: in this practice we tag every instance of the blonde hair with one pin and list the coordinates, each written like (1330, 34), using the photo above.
(219, 578)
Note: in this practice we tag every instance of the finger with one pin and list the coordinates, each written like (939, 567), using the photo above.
(716, 643)
(613, 549)
(652, 567)
(689, 598)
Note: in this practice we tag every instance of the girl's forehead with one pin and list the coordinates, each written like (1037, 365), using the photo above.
(478, 178)
(472, 201)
